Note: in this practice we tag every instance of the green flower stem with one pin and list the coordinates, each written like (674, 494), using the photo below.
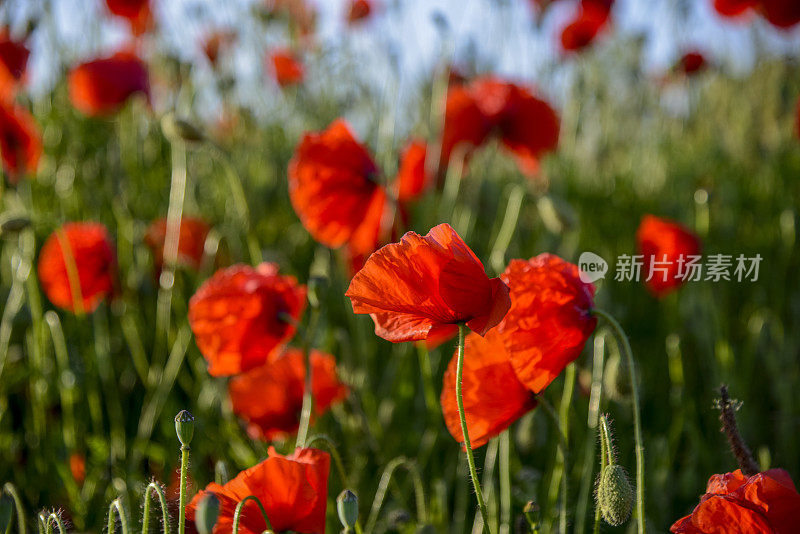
(116, 508)
(308, 397)
(154, 487)
(637, 423)
(11, 490)
(183, 490)
(237, 514)
(605, 454)
(383, 486)
(428, 388)
(563, 451)
(505, 482)
(473, 473)
(51, 520)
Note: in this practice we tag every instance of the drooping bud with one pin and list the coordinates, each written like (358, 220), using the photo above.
(347, 507)
(14, 222)
(180, 129)
(184, 427)
(205, 516)
(615, 495)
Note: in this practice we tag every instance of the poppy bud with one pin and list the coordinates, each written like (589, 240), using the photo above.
(531, 512)
(6, 512)
(221, 473)
(175, 128)
(184, 427)
(615, 495)
(347, 507)
(12, 223)
(206, 514)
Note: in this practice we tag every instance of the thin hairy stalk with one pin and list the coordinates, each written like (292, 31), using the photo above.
(605, 454)
(116, 508)
(473, 472)
(237, 514)
(155, 488)
(383, 486)
(637, 423)
(183, 489)
(740, 450)
(52, 522)
(505, 482)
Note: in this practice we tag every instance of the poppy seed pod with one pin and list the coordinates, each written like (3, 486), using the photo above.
(207, 512)
(184, 427)
(615, 495)
(347, 507)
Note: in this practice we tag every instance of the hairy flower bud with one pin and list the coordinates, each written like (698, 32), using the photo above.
(184, 427)
(615, 495)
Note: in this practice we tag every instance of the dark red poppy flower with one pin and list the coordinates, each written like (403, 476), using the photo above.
(191, 241)
(465, 125)
(217, 42)
(77, 266)
(293, 490)
(333, 189)
(412, 179)
(493, 395)
(421, 285)
(270, 397)
(359, 10)
(101, 87)
(733, 8)
(589, 21)
(691, 63)
(781, 13)
(137, 13)
(550, 318)
(20, 142)
(237, 316)
(286, 67)
(667, 248)
(13, 64)
(765, 503)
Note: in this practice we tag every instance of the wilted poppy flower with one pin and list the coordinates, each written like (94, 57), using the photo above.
(424, 284)
(333, 190)
(215, 43)
(13, 64)
(765, 503)
(237, 316)
(20, 141)
(101, 87)
(191, 241)
(493, 395)
(667, 248)
(77, 266)
(550, 318)
(286, 68)
(412, 179)
(359, 10)
(293, 490)
(590, 19)
(270, 397)
(137, 12)
(691, 63)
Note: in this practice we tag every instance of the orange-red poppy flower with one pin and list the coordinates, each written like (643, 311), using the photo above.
(286, 67)
(20, 141)
(13, 64)
(667, 248)
(733, 8)
(691, 63)
(77, 266)
(589, 21)
(270, 397)
(293, 490)
(300, 13)
(137, 13)
(215, 43)
(412, 179)
(765, 503)
(493, 395)
(77, 467)
(191, 241)
(239, 316)
(333, 189)
(421, 285)
(359, 10)
(101, 87)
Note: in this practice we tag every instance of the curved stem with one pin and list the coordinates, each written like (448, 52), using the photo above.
(117, 508)
(308, 396)
(52, 519)
(383, 486)
(473, 473)
(11, 490)
(237, 514)
(182, 498)
(154, 487)
(605, 454)
(562, 447)
(637, 423)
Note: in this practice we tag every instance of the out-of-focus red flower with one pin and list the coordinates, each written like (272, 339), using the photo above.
(526, 125)
(412, 179)
(590, 19)
(300, 13)
(13, 64)
(781, 13)
(137, 12)
(359, 10)
(270, 397)
(423, 284)
(733, 8)
(20, 141)
(237, 316)
(286, 68)
(101, 87)
(77, 467)
(293, 490)
(191, 241)
(550, 318)
(765, 503)
(691, 63)
(493, 395)
(666, 247)
(216, 43)
(333, 189)
(77, 257)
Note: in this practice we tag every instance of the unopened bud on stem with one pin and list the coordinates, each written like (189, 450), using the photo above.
(184, 427)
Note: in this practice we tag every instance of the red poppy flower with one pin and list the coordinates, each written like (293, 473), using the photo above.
(270, 397)
(293, 490)
(237, 316)
(215, 43)
(666, 247)
(101, 87)
(421, 285)
(691, 63)
(550, 318)
(13, 64)
(493, 395)
(765, 503)
(733, 8)
(20, 142)
(191, 241)
(412, 179)
(359, 10)
(465, 124)
(137, 12)
(585, 27)
(286, 68)
(77, 257)
(333, 190)
(300, 14)
(77, 467)
(781, 13)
